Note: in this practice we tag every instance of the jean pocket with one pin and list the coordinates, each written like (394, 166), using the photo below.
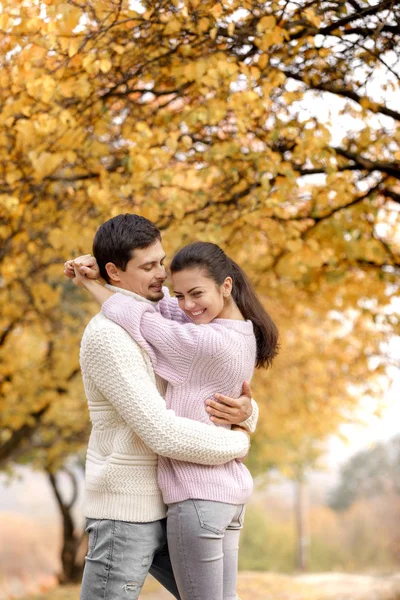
(238, 518)
(214, 516)
(92, 528)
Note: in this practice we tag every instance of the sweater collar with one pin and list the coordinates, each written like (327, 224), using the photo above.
(241, 326)
(114, 288)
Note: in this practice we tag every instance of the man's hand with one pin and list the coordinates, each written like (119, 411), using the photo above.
(87, 266)
(230, 411)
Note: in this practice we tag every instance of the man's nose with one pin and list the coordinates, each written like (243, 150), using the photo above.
(161, 273)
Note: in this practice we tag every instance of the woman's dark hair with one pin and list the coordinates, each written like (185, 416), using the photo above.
(218, 267)
(118, 237)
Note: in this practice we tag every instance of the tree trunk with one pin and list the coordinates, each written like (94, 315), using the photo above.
(302, 536)
(72, 568)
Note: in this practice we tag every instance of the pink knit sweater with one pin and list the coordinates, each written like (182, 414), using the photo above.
(197, 361)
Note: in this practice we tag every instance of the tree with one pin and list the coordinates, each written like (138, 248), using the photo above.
(369, 473)
(192, 114)
(72, 537)
(370, 480)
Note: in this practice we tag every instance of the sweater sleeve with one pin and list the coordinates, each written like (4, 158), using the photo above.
(169, 308)
(117, 368)
(251, 423)
(171, 346)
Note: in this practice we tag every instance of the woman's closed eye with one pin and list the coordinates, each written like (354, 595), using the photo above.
(195, 295)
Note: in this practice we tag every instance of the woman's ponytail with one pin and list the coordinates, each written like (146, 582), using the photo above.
(265, 330)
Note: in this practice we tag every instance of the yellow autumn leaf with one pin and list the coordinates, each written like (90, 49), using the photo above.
(44, 163)
(56, 238)
(203, 25)
(150, 211)
(312, 17)
(74, 46)
(42, 88)
(216, 10)
(369, 104)
(105, 65)
(8, 203)
(173, 26)
(45, 297)
(266, 23)
(270, 38)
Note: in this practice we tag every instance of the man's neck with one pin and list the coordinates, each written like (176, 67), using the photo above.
(115, 288)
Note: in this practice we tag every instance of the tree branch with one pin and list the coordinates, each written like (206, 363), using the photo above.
(391, 194)
(8, 449)
(8, 330)
(371, 10)
(392, 169)
(341, 91)
(367, 31)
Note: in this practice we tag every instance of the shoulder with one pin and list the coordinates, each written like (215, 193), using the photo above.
(102, 334)
(99, 325)
(230, 328)
(227, 336)
(107, 348)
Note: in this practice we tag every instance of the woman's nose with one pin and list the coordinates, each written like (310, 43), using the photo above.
(189, 304)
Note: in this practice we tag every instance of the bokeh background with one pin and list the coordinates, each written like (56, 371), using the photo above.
(272, 129)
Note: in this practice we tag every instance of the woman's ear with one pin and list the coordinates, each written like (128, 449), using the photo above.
(227, 287)
(112, 272)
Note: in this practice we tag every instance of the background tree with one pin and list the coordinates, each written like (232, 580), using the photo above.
(369, 473)
(74, 542)
(370, 481)
(199, 116)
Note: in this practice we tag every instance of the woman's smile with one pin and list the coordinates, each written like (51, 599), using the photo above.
(197, 313)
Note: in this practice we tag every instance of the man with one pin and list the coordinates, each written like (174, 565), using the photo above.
(131, 425)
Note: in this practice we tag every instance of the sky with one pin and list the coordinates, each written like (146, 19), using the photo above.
(370, 429)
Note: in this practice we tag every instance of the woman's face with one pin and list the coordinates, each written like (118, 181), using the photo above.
(199, 296)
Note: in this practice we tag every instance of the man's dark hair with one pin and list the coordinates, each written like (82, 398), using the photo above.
(116, 240)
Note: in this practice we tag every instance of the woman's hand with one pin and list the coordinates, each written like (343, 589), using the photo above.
(94, 286)
(88, 267)
(80, 280)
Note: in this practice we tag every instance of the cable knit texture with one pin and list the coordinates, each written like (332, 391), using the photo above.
(196, 360)
(131, 425)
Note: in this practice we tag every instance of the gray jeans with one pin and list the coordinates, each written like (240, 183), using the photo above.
(203, 539)
(120, 555)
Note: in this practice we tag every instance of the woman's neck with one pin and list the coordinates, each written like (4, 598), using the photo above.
(231, 311)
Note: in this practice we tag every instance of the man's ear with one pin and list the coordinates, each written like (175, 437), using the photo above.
(112, 272)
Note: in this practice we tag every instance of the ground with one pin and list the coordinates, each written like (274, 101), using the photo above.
(269, 586)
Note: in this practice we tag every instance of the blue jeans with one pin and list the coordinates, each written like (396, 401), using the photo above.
(203, 538)
(120, 555)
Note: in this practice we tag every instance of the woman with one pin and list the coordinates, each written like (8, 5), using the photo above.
(210, 337)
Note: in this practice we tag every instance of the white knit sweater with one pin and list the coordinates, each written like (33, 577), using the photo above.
(131, 425)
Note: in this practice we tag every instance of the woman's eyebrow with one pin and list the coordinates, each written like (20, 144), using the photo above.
(189, 291)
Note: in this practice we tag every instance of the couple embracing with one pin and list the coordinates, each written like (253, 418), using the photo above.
(165, 487)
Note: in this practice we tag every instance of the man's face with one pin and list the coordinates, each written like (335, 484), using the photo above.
(144, 274)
